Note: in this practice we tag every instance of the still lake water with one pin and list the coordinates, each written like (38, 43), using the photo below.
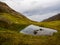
(36, 30)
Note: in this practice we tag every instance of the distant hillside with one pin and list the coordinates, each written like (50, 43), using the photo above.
(54, 18)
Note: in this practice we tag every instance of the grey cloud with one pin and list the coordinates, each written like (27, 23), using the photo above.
(38, 11)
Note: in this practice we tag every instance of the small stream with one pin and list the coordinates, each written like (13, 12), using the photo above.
(36, 30)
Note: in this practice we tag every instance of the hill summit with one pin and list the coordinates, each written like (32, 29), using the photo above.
(53, 18)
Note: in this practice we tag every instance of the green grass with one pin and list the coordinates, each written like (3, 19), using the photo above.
(14, 19)
(14, 38)
(9, 32)
(11, 22)
(52, 24)
(8, 37)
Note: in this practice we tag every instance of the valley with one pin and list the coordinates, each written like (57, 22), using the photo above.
(12, 22)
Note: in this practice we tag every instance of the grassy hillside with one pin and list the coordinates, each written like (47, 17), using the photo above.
(13, 38)
(53, 18)
(8, 12)
(12, 20)
(52, 24)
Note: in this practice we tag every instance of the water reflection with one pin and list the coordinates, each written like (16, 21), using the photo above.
(36, 30)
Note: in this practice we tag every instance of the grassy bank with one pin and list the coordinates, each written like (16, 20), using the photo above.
(8, 37)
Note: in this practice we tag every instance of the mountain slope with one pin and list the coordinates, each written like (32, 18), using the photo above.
(4, 8)
(7, 12)
(12, 20)
(52, 22)
(54, 18)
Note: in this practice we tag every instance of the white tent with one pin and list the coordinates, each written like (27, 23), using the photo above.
(36, 30)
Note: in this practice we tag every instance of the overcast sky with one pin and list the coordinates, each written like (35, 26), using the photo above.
(37, 10)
